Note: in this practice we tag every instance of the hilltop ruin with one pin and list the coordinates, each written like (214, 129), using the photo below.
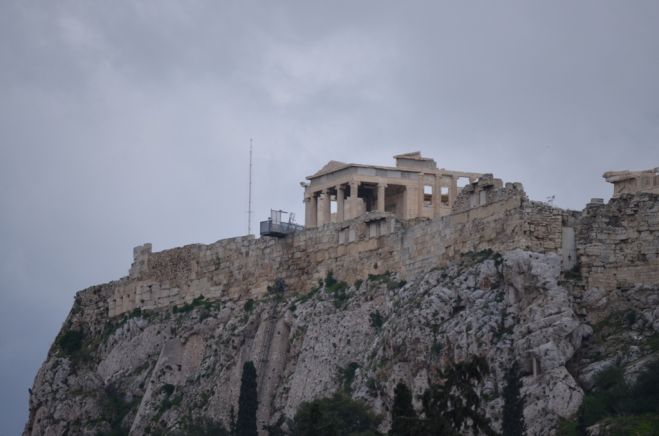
(391, 224)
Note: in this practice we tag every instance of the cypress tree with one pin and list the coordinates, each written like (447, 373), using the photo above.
(403, 417)
(513, 404)
(247, 402)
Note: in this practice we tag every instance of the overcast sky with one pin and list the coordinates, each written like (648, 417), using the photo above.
(127, 122)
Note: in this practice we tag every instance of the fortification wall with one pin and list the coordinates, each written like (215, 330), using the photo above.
(244, 267)
(618, 243)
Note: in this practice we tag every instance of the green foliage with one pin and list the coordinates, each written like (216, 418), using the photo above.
(574, 274)
(567, 428)
(200, 301)
(347, 375)
(451, 408)
(610, 388)
(203, 426)
(376, 320)
(70, 342)
(480, 256)
(436, 348)
(358, 283)
(114, 409)
(404, 421)
(380, 278)
(337, 289)
(612, 398)
(249, 305)
(339, 415)
(652, 342)
(386, 278)
(278, 287)
(247, 402)
(168, 389)
(645, 392)
(330, 281)
(637, 425)
(170, 402)
(513, 404)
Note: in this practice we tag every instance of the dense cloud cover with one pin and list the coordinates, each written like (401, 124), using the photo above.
(126, 122)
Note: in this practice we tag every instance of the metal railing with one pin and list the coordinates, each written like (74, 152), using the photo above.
(272, 228)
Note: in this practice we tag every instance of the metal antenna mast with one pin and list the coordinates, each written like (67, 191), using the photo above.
(249, 202)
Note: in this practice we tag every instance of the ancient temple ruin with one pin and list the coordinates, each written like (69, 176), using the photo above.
(414, 188)
(632, 182)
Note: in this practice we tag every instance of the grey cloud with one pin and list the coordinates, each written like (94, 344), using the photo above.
(127, 123)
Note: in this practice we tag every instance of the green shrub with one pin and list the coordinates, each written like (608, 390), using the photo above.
(612, 397)
(347, 375)
(249, 305)
(452, 407)
(70, 342)
(338, 290)
(338, 415)
(278, 287)
(114, 409)
(404, 421)
(637, 425)
(376, 320)
(203, 426)
(200, 301)
(168, 389)
(567, 427)
(380, 278)
(386, 278)
(574, 273)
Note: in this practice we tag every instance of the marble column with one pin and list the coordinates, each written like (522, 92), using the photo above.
(307, 211)
(325, 208)
(353, 202)
(381, 187)
(340, 206)
(420, 197)
(311, 217)
(453, 191)
(436, 196)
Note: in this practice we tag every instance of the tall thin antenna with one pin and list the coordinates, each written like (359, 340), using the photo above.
(249, 202)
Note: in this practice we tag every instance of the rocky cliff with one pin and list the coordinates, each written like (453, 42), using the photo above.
(154, 370)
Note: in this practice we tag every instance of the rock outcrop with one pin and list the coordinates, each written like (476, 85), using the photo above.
(156, 370)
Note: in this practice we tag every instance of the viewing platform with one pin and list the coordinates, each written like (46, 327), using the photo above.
(274, 226)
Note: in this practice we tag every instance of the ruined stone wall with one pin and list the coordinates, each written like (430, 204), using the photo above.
(244, 267)
(506, 223)
(618, 243)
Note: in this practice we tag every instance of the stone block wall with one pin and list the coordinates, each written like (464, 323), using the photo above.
(618, 242)
(244, 267)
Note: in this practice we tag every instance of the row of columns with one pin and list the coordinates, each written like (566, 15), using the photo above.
(318, 209)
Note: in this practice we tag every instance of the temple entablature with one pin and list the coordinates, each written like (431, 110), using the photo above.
(633, 182)
(414, 188)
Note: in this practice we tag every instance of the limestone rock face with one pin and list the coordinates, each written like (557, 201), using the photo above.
(162, 369)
